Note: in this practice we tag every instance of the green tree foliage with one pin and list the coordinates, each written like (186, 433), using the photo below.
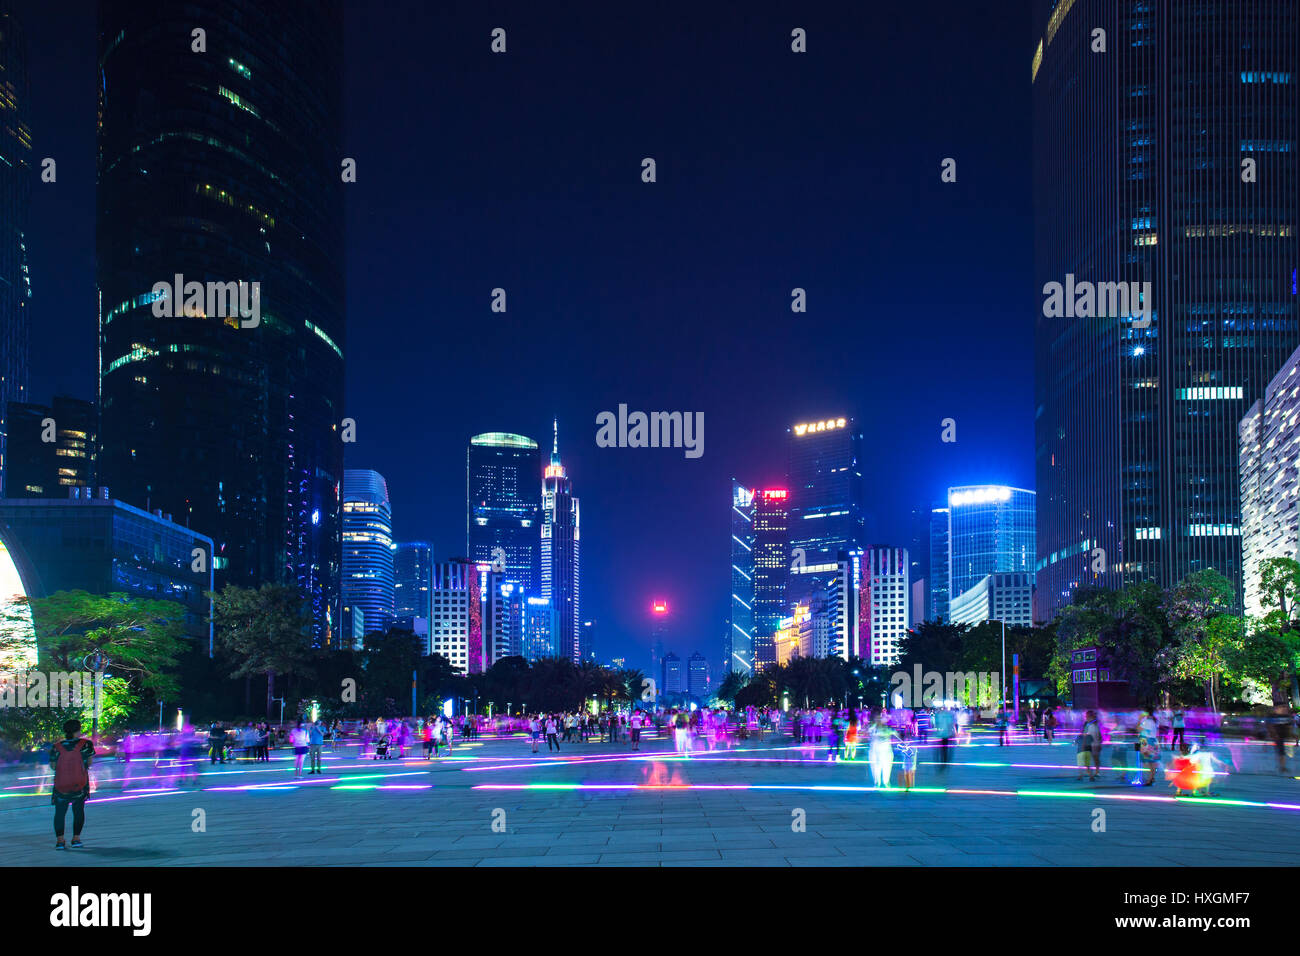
(264, 631)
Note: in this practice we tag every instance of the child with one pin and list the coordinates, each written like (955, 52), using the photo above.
(907, 760)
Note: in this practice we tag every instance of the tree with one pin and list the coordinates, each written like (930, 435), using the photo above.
(1196, 608)
(731, 685)
(264, 630)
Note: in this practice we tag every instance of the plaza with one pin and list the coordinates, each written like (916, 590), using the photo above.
(760, 803)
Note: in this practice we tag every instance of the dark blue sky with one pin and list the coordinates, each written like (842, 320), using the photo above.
(522, 171)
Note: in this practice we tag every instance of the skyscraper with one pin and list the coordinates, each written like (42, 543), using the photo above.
(697, 675)
(991, 530)
(559, 557)
(36, 468)
(15, 192)
(219, 166)
(1171, 159)
(456, 615)
(825, 501)
(503, 510)
(541, 625)
(412, 578)
(738, 644)
(368, 573)
(886, 602)
(771, 570)
(937, 590)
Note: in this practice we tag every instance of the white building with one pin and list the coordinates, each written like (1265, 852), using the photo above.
(1007, 596)
(886, 576)
(1269, 450)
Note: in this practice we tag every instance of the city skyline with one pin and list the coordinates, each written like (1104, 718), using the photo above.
(626, 328)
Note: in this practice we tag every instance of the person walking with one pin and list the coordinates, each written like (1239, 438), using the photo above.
(1001, 723)
(315, 741)
(945, 725)
(535, 729)
(552, 734)
(70, 759)
(299, 739)
(635, 730)
(907, 758)
(1178, 722)
(881, 752)
(217, 742)
(1149, 746)
(1049, 725)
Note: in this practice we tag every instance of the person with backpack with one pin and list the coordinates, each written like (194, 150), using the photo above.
(70, 758)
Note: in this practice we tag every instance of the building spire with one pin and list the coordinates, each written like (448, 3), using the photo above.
(555, 443)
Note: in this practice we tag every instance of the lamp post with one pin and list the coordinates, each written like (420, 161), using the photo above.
(1003, 681)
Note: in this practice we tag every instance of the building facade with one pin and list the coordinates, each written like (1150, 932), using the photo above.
(738, 642)
(541, 629)
(368, 571)
(503, 513)
(1004, 596)
(886, 602)
(825, 497)
(1165, 184)
(226, 413)
(1269, 454)
(990, 530)
(16, 176)
(937, 593)
(771, 570)
(38, 468)
(560, 541)
(412, 583)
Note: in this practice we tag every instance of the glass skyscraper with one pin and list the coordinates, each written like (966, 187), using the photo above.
(1170, 159)
(368, 572)
(560, 539)
(738, 645)
(35, 468)
(771, 570)
(825, 504)
(16, 175)
(937, 583)
(990, 530)
(412, 578)
(503, 506)
(217, 168)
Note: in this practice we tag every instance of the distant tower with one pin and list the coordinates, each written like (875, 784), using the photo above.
(502, 506)
(368, 547)
(560, 536)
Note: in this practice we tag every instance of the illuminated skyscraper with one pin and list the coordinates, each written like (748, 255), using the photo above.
(16, 174)
(412, 579)
(222, 167)
(825, 503)
(938, 586)
(541, 625)
(456, 615)
(559, 557)
(886, 603)
(991, 531)
(1169, 159)
(738, 644)
(503, 513)
(771, 570)
(36, 468)
(368, 573)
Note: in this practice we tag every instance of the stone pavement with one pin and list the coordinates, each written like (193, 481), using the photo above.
(493, 803)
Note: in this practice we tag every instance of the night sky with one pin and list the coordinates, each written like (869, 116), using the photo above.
(523, 170)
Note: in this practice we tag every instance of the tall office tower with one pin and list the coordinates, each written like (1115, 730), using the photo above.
(368, 573)
(886, 613)
(559, 551)
(16, 176)
(1006, 596)
(991, 531)
(218, 168)
(1270, 480)
(673, 680)
(541, 626)
(502, 622)
(1170, 159)
(842, 603)
(825, 503)
(771, 570)
(503, 511)
(697, 675)
(937, 594)
(412, 579)
(456, 615)
(738, 643)
(587, 641)
(36, 468)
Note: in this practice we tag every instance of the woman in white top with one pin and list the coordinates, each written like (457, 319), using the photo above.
(299, 738)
